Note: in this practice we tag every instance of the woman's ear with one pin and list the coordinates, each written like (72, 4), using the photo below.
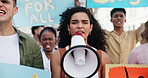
(68, 27)
(91, 27)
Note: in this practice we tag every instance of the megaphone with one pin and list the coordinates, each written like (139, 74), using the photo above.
(80, 61)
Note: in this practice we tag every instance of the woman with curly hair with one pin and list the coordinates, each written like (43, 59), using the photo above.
(79, 20)
(139, 54)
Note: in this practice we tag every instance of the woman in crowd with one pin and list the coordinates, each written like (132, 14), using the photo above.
(47, 39)
(139, 54)
(79, 20)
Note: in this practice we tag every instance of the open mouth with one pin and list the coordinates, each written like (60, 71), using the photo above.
(2, 12)
(81, 32)
(48, 46)
(118, 22)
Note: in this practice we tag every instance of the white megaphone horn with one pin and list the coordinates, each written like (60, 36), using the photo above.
(80, 61)
(78, 53)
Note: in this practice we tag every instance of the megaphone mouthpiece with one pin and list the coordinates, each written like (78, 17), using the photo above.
(77, 34)
(77, 40)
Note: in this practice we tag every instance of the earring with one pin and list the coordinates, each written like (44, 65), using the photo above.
(69, 33)
(89, 33)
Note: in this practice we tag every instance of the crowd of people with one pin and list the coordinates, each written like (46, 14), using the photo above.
(113, 47)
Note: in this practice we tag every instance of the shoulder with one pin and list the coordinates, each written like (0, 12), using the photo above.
(55, 57)
(25, 37)
(104, 54)
(104, 57)
(28, 42)
(107, 32)
(140, 49)
(55, 53)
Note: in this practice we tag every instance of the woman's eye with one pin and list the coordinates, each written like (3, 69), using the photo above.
(74, 23)
(85, 23)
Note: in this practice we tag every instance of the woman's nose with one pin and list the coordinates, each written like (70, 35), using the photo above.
(80, 25)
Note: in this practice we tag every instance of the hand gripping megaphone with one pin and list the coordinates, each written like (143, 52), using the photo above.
(80, 61)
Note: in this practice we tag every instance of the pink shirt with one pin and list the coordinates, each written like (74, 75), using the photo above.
(139, 55)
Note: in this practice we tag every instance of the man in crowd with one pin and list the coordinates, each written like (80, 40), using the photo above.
(120, 42)
(15, 46)
(36, 32)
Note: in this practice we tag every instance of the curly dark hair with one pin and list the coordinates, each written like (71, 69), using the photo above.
(97, 37)
(144, 34)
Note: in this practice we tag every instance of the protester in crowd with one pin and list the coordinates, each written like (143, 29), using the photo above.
(36, 32)
(120, 42)
(82, 3)
(47, 39)
(139, 54)
(79, 20)
(77, 3)
(15, 46)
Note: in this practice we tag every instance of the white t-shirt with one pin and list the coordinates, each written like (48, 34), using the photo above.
(46, 61)
(9, 49)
